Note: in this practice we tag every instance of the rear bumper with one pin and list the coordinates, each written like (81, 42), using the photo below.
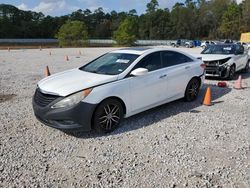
(75, 117)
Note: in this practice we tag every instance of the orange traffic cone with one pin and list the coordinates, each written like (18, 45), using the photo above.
(67, 58)
(207, 98)
(47, 72)
(238, 83)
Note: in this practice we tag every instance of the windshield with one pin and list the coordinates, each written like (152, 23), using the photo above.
(219, 49)
(110, 63)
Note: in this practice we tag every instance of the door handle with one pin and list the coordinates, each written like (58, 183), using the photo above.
(187, 67)
(163, 76)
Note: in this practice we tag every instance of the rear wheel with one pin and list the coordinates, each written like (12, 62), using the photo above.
(108, 116)
(192, 90)
(231, 72)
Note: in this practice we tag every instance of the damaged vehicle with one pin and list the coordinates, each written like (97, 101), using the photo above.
(224, 60)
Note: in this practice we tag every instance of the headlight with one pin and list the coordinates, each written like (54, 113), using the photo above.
(72, 99)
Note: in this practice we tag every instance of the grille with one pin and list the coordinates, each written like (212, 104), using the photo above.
(42, 99)
(211, 63)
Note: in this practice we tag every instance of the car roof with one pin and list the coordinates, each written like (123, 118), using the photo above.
(135, 50)
(226, 44)
(141, 50)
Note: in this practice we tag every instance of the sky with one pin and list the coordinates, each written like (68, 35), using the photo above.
(63, 7)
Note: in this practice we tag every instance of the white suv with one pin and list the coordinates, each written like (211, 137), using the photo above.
(225, 59)
(116, 85)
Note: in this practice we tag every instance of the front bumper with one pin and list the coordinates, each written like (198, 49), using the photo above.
(76, 117)
(216, 71)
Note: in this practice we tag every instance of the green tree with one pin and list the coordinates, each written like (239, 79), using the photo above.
(72, 33)
(230, 25)
(191, 19)
(126, 34)
(184, 18)
(246, 16)
(152, 6)
(155, 25)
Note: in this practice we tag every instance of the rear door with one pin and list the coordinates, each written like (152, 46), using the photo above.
(179, 70)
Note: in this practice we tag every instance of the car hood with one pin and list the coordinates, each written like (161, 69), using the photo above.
(214, 57)
(71, 81)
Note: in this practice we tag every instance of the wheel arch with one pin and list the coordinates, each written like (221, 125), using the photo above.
(233, 64)
(194, 77)
(111, 97)
(198, 78)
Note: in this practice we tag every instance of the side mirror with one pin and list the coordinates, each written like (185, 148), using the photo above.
(139, 72)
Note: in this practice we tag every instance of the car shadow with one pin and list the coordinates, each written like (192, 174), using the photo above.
(157, 114)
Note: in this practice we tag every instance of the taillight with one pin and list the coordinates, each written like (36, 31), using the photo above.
(203, 65)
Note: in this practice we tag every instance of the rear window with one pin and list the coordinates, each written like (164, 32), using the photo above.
(170, 58)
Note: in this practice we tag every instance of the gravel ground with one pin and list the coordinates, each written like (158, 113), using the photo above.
(175, 145)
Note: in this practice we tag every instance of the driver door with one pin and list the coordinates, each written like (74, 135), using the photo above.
(240, 58)
(148, 90)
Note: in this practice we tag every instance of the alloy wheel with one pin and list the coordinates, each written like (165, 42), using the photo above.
(231, 72)
(110, 116)
(193, 89)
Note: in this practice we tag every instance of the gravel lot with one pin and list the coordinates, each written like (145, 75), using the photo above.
(175, 145)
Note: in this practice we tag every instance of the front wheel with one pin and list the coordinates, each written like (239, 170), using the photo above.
(246, 69)
(108, 116)
(192, 90)
(231, 73)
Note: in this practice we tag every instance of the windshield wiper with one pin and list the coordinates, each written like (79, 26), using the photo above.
(91, 71)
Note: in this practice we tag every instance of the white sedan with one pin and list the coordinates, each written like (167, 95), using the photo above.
(118, 84)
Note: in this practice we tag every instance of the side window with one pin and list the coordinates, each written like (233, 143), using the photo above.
(239, 49)
(151, 62)
(170, 58)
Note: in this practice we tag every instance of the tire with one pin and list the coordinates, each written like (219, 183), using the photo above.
(231, 73)
(246, 69)
(107, 116)
(192, 90)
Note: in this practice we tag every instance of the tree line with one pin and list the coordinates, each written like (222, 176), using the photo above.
(199, 19)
